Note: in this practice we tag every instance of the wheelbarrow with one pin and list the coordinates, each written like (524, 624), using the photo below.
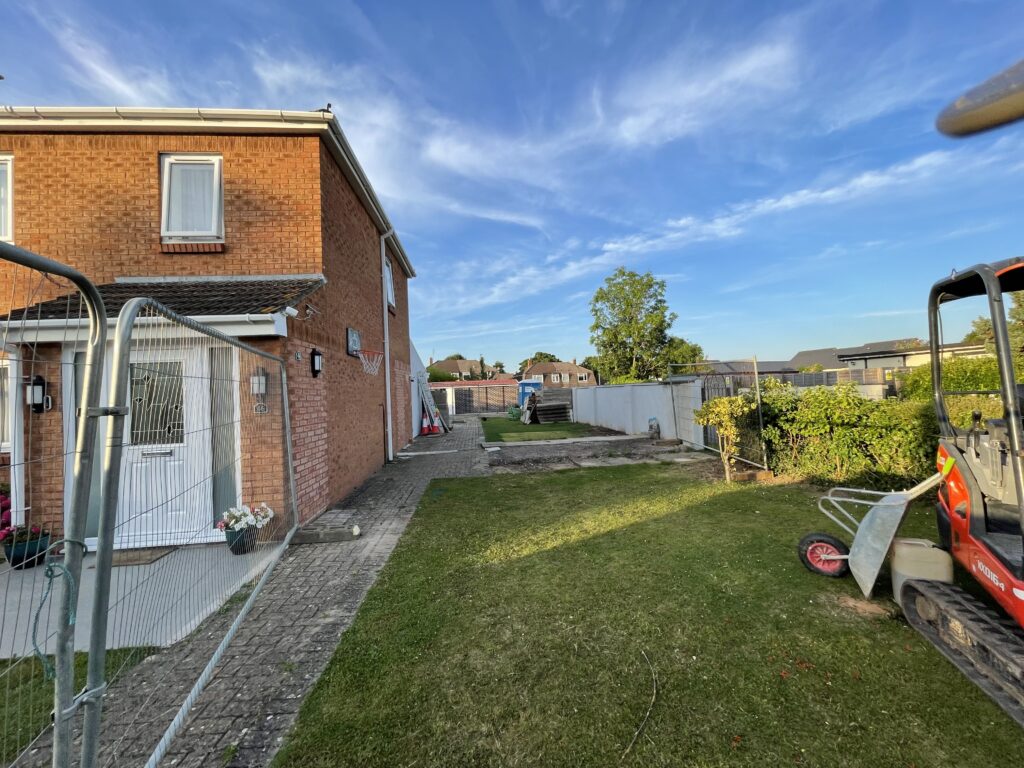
(872, 518)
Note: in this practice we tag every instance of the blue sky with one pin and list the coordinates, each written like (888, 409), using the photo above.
(776, 163)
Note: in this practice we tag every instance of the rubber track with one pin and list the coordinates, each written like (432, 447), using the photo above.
(987, 647)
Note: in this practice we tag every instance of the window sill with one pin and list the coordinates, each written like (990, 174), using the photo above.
(191, 247)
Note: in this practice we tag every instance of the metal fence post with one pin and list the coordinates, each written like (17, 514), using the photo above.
(74, 534)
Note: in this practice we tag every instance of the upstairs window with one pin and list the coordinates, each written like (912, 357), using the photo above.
(581, 377)
(6, 190)
(192, 197)
(389, 281)
(556, 378)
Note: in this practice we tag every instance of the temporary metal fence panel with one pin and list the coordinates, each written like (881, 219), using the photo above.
(198, 443)
(485, 398)
(50, 366)
(727, 379)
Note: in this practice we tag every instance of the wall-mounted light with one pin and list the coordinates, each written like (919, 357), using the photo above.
(258, 382)
(316, 362)
(35, 395)
(258, 386)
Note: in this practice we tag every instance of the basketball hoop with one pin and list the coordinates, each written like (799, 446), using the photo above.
(371, 360)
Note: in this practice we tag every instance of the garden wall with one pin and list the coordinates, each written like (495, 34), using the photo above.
(628, 407)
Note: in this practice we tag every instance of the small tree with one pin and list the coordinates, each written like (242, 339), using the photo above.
(436, 374)
(483, 368)
(499, 366)
(456, 356)
(538, 357)
(631, 322)
(726, 414)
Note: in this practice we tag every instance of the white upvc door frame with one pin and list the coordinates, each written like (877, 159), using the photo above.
(16, 428)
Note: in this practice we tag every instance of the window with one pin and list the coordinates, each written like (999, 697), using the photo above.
(192, 197)
(389, 281)
(6, 194)
(581, 377)
(537, 377)
(556, 378)
(5, 412)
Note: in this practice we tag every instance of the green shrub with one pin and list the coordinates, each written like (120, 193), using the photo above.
(836, 436)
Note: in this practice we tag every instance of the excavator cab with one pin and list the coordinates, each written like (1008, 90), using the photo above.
(980, 499)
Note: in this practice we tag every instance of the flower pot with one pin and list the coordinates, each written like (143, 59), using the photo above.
(26, 554)
(240, 542)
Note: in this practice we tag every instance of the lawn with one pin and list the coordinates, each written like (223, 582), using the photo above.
(499, 429)
(518, 631)
(28, 696)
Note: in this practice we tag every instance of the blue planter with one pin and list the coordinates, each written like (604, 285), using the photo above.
(26, 554)
(240, 542)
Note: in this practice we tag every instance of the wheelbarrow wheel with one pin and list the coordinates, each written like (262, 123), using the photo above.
(816, 551)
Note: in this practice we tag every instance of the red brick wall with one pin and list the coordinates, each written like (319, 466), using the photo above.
(44, 442)
(398, 325)
(93, 201)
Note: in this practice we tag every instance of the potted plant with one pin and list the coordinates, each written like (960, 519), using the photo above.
(24, 545)
(241, 526)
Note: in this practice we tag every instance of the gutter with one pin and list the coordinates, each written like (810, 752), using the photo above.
(76, 329)
(387, 346)
(226, 121)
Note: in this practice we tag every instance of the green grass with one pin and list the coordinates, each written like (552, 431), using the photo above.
(499, 429)
(27, 697)
(511, 633)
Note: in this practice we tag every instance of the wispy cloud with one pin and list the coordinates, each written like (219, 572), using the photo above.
(891, 313)
(95, 69)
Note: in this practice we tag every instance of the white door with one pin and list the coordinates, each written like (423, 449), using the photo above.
(166, 479)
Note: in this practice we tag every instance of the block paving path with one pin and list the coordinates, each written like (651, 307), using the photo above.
(287, 640)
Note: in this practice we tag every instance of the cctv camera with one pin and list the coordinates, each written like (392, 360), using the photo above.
(291, 311)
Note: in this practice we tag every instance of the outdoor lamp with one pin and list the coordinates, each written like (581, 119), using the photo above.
(258, 381)
(316, 362)
(35, 395)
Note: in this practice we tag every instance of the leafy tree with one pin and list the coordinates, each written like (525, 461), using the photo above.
(725, 414)
(631, 322)
(593, 362)
(456, 356)
(915, 343)
(981, 327)
(483, 368)
(499, 366)
(812, 368)
(538, 357)
(679, 351)
(436, 374)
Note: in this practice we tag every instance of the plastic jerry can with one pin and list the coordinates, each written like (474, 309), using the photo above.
(918, 559)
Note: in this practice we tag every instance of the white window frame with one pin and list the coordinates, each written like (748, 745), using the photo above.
(556, 378)
(582, 377)
(6, 410)
(216, 234)
(537, 377)
(8, 160)
(389, 282)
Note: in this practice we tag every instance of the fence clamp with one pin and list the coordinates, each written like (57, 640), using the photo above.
(87, 696)
(107, 410)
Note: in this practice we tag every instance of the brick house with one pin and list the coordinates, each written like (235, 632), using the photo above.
(560, 375)
(259, 223)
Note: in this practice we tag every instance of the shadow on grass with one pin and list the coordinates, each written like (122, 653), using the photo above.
(508, 629)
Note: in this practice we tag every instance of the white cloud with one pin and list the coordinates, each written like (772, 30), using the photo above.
(891, 313)
(689, 91)
(93, 68)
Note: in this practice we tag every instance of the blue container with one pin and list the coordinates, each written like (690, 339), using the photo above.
(527, 388)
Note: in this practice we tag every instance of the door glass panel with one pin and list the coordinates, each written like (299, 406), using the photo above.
(224, 422)
(157, 404)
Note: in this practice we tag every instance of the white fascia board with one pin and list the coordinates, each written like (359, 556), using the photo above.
(77, 329)
(224, 121)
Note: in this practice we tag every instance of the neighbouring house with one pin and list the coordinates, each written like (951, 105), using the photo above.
(465, 369)
(259, 223)
(902, 353)
(560, 375)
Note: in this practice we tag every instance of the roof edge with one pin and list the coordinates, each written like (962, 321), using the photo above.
(204, 120)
